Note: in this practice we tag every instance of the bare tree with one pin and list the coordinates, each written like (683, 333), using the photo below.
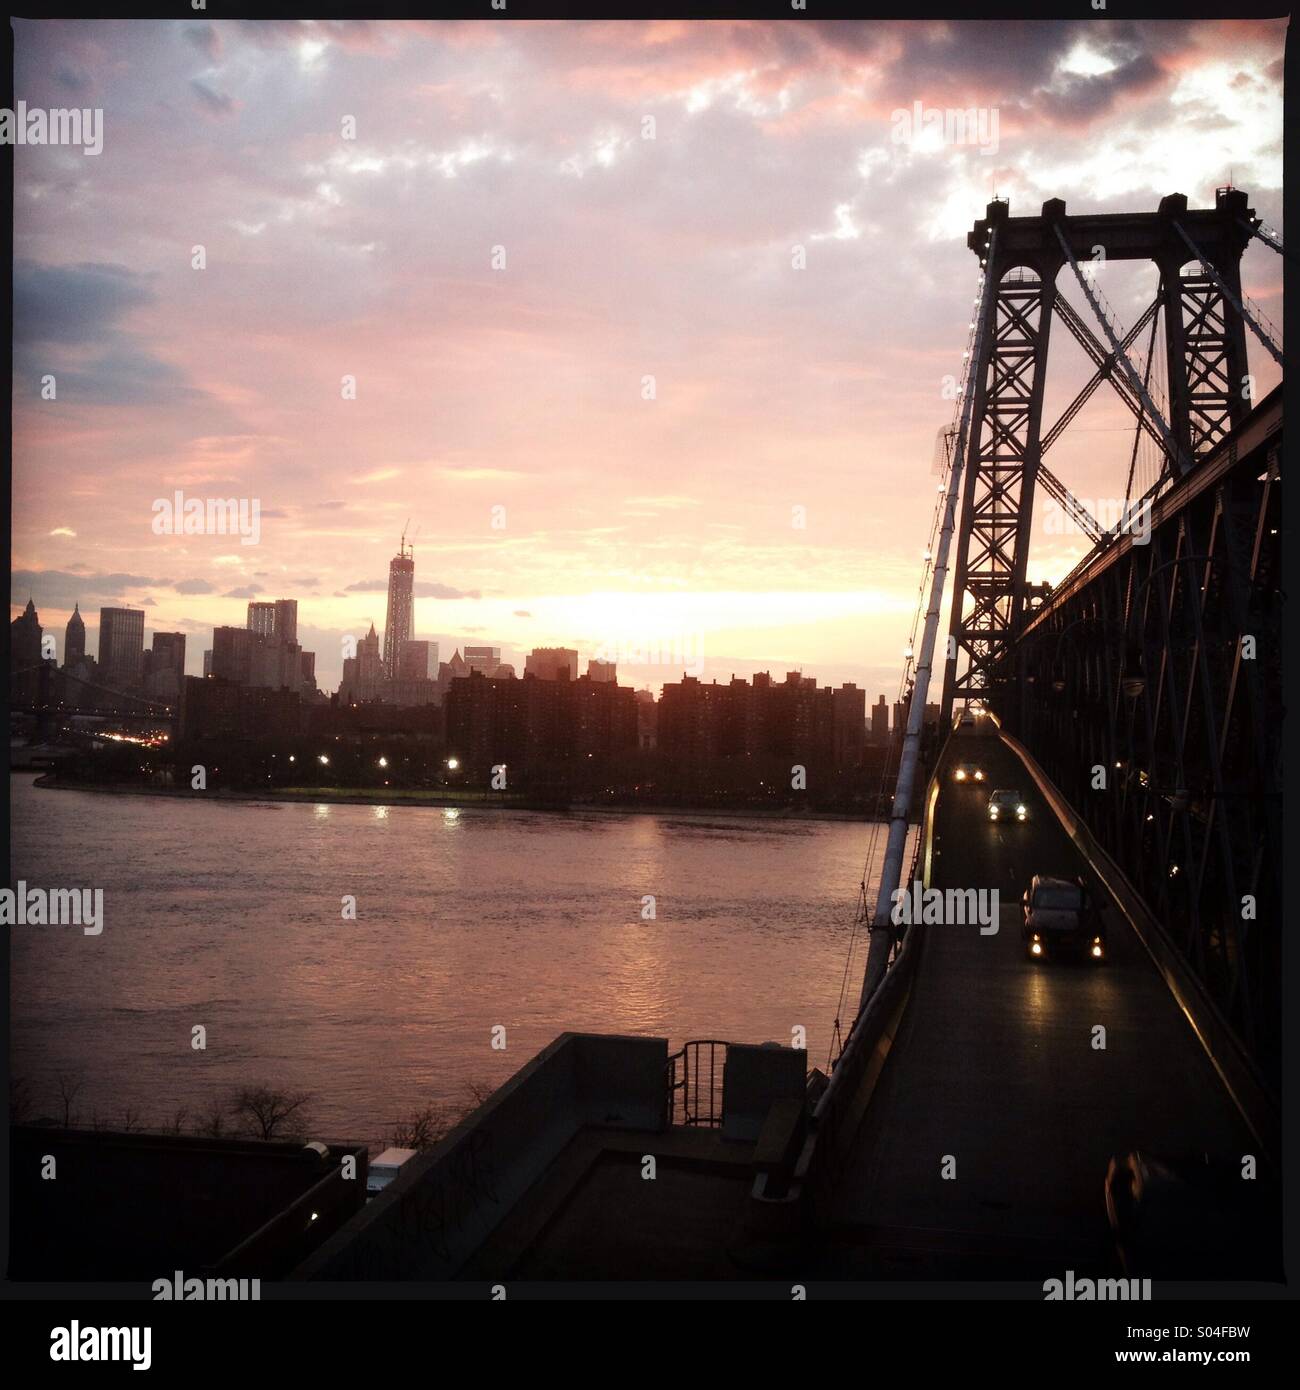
(177, 1123)
(478, 1092)
(68, 1085)
(422, 1129)
(270, 1113)
(130, 1119)
(212, 1123)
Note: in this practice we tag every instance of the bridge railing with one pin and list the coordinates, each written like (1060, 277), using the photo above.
(695, 1082)
(838, 1111)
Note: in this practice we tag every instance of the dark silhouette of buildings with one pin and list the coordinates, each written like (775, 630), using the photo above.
(74, 639)
(121, 646)
(793, 719)
(533, 722)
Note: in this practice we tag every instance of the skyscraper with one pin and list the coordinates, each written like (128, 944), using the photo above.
(261, 618)
(550, 663)
(121, 644)
(169, 652)
(416, 660)
(232, 653)
(484, 659)
(74, 639)
(400, 623)
(880, 722)
(166, 666)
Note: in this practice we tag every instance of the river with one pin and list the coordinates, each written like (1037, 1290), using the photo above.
(229, 915)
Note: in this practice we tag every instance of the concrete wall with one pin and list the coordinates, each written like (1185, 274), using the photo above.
(754, 1077)
(445, 1202)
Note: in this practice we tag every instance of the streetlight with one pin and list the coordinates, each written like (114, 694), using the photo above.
(453, 764)
(324, 759)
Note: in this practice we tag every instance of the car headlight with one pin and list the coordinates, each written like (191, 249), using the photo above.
(979, 776)
(1036, 949)
(1096, 949)
(961, 776)
(993, 813)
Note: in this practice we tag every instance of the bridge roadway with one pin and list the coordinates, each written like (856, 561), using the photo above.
(994, 1065)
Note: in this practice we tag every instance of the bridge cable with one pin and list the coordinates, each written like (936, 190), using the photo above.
(1269, 237)
(951, 438)
(1146, 381)
(1166, 434)
(1238, 304)
(881, 941)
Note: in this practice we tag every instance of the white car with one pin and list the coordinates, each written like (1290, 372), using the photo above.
(966, 720)
(1006, 804)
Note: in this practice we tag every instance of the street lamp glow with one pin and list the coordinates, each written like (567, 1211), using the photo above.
(453, 763)
(383, 762)
(324, 759)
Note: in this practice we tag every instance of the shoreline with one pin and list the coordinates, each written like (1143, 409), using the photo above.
(436, 801)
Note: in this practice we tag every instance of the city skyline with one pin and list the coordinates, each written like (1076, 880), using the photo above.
(766, 503)
(277, 621)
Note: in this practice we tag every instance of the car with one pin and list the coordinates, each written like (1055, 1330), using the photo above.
(967, 772)
(1007, 804)
(1060, 916)
(966, 720)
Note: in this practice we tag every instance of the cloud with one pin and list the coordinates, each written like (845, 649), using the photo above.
(248, 591)
(422, 588)
(73, 303)
(213, 102)
(205, 38)
(62, 588)
(72, 79)
(62, 531)
(522, 613)
(195, 586)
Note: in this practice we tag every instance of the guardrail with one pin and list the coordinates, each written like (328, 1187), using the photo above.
(839, 1110)
(1257, 1104)
(695, 1082)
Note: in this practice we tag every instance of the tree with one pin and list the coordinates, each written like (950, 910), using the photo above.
(270, 1113)
(69, 1084)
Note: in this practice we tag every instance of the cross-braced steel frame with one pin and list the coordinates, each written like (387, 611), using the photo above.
(1205, 366)
(1149, 686)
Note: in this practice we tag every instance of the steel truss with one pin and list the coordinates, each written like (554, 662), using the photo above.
(1205, 360)
(1149, 687)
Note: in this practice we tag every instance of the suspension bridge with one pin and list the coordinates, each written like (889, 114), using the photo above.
(982, 1113)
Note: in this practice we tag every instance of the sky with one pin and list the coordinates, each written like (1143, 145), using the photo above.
(648, 322)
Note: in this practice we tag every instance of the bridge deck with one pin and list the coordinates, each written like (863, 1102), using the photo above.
(994, 1064)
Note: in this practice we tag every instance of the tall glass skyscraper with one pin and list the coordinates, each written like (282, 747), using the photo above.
(121, 643)
(400, 623)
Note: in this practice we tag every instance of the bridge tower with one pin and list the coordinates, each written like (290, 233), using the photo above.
(1198, 256)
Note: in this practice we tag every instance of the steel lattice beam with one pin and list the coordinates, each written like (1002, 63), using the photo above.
(1205, 363)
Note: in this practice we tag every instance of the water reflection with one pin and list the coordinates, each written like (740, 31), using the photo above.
(531, 921)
